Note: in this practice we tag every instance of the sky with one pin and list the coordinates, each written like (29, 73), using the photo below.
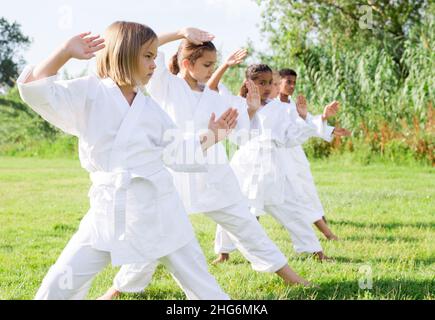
(49, 23)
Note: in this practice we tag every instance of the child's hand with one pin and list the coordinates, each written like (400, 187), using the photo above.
(196, 36)
(223, 126)
(341, 132)
(253, 98)
(83, 46)
(301, 106)
(236, 57)
(330, 110)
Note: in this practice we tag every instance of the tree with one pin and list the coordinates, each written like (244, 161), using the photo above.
(343, 23)
(12, 42)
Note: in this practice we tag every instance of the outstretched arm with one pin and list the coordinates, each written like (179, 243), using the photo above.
(82, 47)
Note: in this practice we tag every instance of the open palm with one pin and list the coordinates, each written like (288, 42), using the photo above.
(253, 98)
(331, 110)
(237, 57)
(84, 46)
(197, 36)
(301, 106)
(223, 126)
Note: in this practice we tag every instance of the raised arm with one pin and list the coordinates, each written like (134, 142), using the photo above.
(82, 47)
(194, 35)
(60, 102)
(235, 58)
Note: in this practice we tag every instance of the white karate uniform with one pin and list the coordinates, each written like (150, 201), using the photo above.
(268, 175)
(303, 171)
(135, 212)
(215, 193)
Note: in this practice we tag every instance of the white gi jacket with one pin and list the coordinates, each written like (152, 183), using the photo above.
(191, 111)
(135, 212)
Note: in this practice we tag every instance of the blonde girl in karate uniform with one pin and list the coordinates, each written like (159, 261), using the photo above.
(182, 92)
(277, 189)
(126, 141)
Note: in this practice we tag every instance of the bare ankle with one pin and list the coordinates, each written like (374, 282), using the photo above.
(222, 258)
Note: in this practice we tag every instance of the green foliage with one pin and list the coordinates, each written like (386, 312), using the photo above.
(376, 57)
(12, 42)
(379, 74)
(25, 133)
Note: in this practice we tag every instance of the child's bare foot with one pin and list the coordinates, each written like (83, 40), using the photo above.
(222, 258)
(322, 257)
(111, 294)
(292, 278)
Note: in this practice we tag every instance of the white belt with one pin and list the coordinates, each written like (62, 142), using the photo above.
(120, 180)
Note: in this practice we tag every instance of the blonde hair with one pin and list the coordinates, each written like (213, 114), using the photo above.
(119, 60)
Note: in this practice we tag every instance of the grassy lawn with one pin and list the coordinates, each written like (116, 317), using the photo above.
(384, 215)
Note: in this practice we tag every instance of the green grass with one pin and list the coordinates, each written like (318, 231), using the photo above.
(385, 216)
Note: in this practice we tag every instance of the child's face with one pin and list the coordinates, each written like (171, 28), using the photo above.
(264, 82)
(203, 68)
(288, 84)
(147, 65)
(275, 87)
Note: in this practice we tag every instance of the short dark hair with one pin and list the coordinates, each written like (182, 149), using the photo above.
(287, 72)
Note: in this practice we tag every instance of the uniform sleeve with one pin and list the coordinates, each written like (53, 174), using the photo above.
(323, 130)
(182, 152)
(283, 129)
(223, 90)
(243, 131)
(61, 103)
(158, 86)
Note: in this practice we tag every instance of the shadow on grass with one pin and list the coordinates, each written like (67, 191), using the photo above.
(155, 294)
(381, 289)
(330, 290)
(391, 238)
(391, 225)
(424, 262)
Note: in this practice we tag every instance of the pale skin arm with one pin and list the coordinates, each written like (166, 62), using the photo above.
(234, 59)
(192, 34)
(219, 129)
(253, 98)
(82, 47)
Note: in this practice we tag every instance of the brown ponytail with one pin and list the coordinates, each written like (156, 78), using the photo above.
(243, 90)
(174, 67)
